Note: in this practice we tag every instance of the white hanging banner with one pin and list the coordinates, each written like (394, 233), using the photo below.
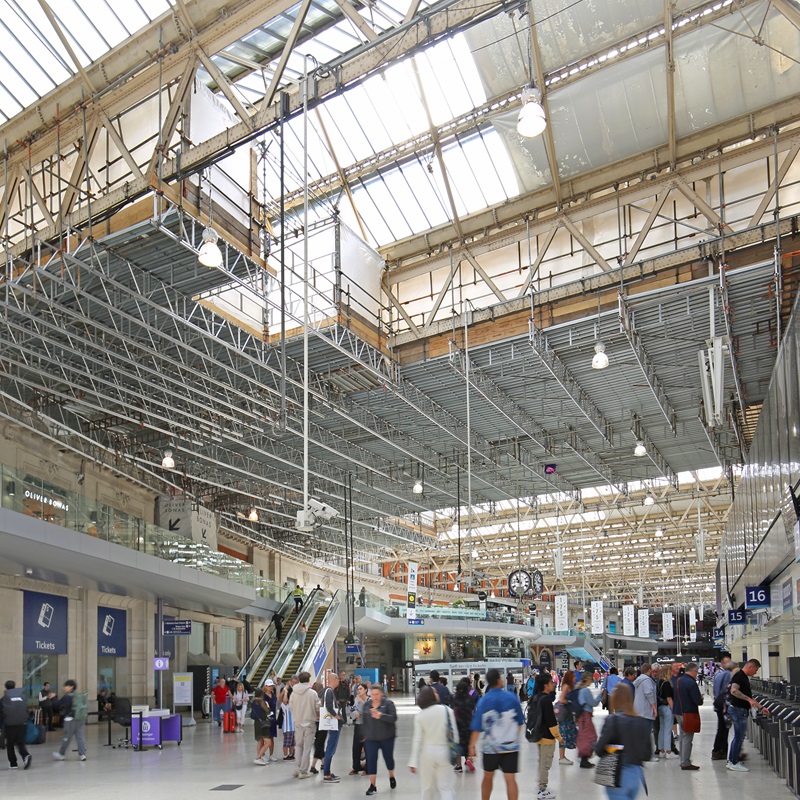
(692, 624)
(644, 623)
(597, 616)
(562, 613)
(628, 622)
(669, 630)
(411, 600)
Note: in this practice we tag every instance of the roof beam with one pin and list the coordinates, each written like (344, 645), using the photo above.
(766, 199)
(224, 85)
(661, 198)
(357, 20)
(586, 244)
(291, 41)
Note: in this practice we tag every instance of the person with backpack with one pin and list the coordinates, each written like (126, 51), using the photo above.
(14, 714)
(74, 709)
(566, 719)
(464, 702)
(609, 684)
(583, 701)
(542, 729)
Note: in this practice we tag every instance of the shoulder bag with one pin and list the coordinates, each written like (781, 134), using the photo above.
(608, 771)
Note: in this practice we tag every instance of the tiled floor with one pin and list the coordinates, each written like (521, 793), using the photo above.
(209, 760)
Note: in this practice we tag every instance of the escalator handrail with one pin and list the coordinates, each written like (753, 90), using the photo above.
(265, 638)
(322, 629)
(307, 612)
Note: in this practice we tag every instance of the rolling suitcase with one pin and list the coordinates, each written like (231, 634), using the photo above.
(229, 722)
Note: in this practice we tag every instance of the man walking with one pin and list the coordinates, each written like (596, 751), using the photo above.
(722, 680)
(46, 705)
(741, 699)
(331, 707)
(498, 716)
(547, 733)
(688, 700)
(14, 711)
(304, 705)
(628, 679)
(74, 708)
(645, 702)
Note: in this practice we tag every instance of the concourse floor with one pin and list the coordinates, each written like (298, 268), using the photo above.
(209, 760)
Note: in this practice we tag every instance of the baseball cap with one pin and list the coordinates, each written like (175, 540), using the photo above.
(269, 682)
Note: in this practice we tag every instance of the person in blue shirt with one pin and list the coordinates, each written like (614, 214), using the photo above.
(630, 677)
(722, 680)
(498, 716)
(609, 684)
(442, 692)
(587, 735)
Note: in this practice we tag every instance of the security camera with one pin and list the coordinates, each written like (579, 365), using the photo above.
(321, 510)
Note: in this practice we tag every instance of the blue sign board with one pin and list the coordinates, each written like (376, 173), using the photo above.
(736, 617)
(319, 658)
(719, 633)
(757, 597)
(168, 649)
(44, 623)
(177, 627)
(160, 664)
(112, 632)
(352, 649)
(417, 621)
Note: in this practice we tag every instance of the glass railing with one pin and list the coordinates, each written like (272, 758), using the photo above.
(265, 640)
(291, 641)
(330, 618)
(37, 498)
(271, 589)
(504, 616)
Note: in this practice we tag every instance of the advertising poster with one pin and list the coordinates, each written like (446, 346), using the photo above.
(644, 623)
(597, 616)
(44, 623)
(628, 621)
(669, 626)
(562, 613)
(112, 632)
(411, 602)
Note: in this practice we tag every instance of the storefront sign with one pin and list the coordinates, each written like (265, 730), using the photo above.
(411, 600)
(112, 632)
(46, 500)
(204, 526)
(597, 616)
(628, 622)
(44, 623)
(562, 613)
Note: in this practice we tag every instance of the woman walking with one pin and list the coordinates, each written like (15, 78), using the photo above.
(665, 693)
(587, 736)
(566, 720)
(430, 750)
(624, 727)
(379, 728)
(359, 702)
(240, 699)
(302, 631)
(464, 702)
(271, 730)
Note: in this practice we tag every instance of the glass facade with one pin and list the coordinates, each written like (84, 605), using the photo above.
(773, 462)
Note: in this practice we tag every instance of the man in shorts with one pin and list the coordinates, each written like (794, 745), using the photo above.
(498, 716)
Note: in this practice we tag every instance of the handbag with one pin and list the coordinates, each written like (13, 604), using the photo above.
(691, 722)
(455, 748)
(608, 771)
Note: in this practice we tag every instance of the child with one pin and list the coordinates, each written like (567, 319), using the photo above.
(288, 730)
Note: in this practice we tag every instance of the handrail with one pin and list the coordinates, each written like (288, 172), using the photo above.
(324, 625)
(265, 638)
(310, 606)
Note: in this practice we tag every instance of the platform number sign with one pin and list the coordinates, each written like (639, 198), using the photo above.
(757, 597)
(736, 617)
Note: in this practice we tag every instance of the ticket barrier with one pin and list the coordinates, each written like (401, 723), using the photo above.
(777, 738)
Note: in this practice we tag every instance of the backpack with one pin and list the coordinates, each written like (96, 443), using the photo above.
(80, 706)
(574, 703)
(533, 720)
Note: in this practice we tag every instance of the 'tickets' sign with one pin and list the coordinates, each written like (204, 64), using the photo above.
(44, 623)
(112, 632)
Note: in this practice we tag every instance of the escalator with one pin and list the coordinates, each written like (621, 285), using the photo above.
(313, 628)
(261, 656)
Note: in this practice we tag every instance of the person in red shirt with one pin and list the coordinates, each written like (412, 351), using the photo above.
(222, 700)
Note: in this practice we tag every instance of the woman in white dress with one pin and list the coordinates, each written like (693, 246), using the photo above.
(430, 750)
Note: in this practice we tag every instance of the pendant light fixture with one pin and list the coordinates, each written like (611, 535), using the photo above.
(640, 450)
(649, 500)
(253, 514)
(418, 487)
(531, 121)
(209, 254)
(600, 360)
(168, 462)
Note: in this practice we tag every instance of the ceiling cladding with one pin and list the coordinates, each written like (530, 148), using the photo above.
(134, 128)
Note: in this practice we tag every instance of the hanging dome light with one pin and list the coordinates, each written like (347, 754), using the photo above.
(659, 533)
(600, 360)
(168, 462)
(640, 450)
(209, 254)
(253, 515)
(663, 570)
(649, 500)
(418, 487)
(475, 553)
(531, 121)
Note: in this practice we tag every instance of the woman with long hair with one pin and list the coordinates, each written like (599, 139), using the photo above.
(430, 750)
(587, 736)
(240, 699)
(624, 727)
(665, 694)
(464, 707)
(566, 721)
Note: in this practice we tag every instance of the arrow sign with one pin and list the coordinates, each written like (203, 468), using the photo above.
(174, 524)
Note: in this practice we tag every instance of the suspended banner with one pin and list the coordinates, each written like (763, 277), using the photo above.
(562, 613)
(411, 600)
(628, 622)
(644, 623)
(597, 616)
(692, 624)
(669, 629)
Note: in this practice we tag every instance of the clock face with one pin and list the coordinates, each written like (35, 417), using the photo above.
(519, 582)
